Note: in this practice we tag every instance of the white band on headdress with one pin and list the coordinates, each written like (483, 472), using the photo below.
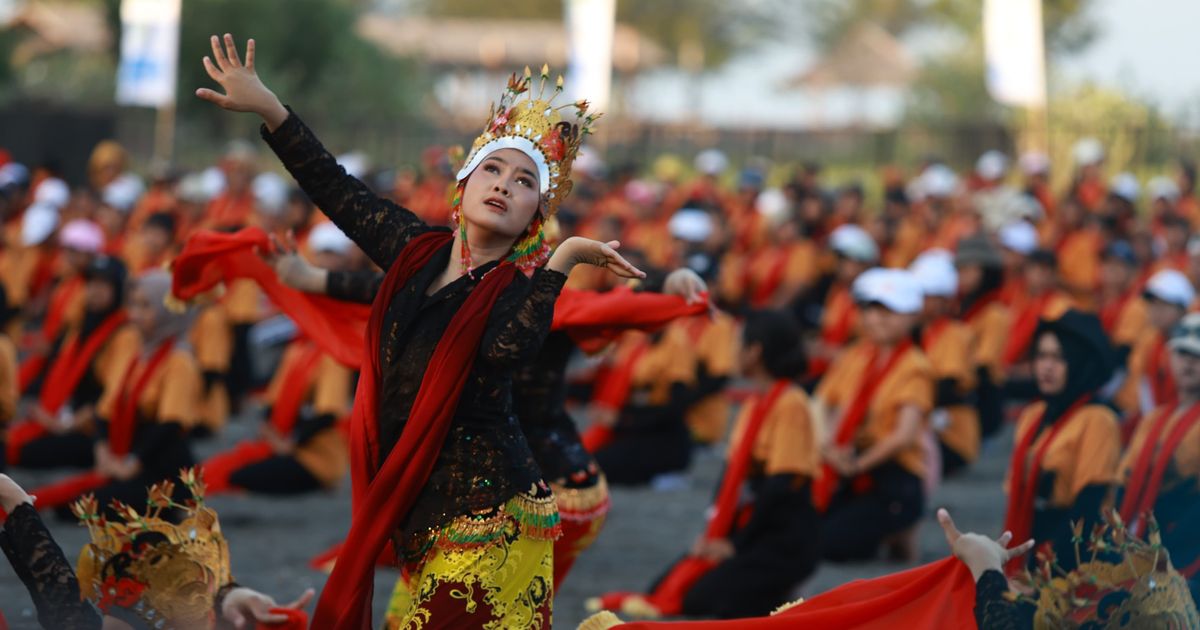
(524, 145)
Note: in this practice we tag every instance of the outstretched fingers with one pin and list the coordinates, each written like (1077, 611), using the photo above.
(213, 97)
(231, 51)
(219, 53)
(617, 263)
(948, 527)
(250, 55)
(1019, 550)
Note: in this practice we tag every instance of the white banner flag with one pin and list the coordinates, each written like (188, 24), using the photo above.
(1014, 44)
(149, 52)
(590, 26)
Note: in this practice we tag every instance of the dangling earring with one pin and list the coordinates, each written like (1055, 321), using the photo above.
(531, 251)
(461, 221)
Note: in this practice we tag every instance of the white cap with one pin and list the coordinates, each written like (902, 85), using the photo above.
(38, 224)
(1035, 163)
(992, 165)
(936, 273)
(192, 189)
(588, 163)
(711, 162)
(1163, 188)
(13, 173)
(82, 235)
(53, 192)
(270, 193)
(356, 164)
(896, 289)
(1172, 287)
(1126, 186)
(773, 204)
(1088, 151)
(1020, 237)
(326, 237)
(854, 243)
(1186, 336)
(214, 181)
(938, 181)
(691, 225)
(123, 192)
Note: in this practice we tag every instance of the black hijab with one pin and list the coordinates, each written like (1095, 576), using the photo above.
(1089, 356)
(112, 271)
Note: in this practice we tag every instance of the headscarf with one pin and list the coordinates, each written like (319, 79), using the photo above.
(1089, 356)
(156, 285)
(111, 271)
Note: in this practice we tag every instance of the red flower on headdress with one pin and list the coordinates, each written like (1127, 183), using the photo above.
(123, 592)
(500, 120)
(553, 145)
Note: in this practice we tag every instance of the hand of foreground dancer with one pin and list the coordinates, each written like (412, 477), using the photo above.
(291, 268)
(979, 552)
(242, 606)
(686, 284)
(244, 91)
(12, 494)
(584, 251)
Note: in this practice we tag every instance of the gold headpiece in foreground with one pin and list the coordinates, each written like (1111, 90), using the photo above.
(1120, 581)
(534, 126)
(147, 570)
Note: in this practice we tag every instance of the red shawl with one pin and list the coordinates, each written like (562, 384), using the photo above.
(1162, 381)
(55, 313)
(383, 495)
(1021, 333)
(594, 319)
(296, 383)
(826, 484)
(936, 595)
(668, 595)
(123, 424)
(1145, 480)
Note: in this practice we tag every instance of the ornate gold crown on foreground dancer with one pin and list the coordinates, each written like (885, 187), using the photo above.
(146, 569)
(1120, 581)
(535, 126)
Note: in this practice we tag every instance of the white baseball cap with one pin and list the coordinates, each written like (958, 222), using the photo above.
(326, 237)
(1126, 186)
(1035, 163)
(854, 243)
(691, 225)
(123, 192)
(896, 289)
(1020, 237)
(53, 192)
(38, 224)
(938, 181)
(992, 165)
(1163, 188)
(935, 273)
(711, 162)
(1172, 287)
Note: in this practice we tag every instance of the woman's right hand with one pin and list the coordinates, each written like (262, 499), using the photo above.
(244, 91)
(12, 494)
(291, 268)
(978, 552)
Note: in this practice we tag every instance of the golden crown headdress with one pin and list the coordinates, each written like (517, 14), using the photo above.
(536, 127)
(149, 571)
(1120, 581)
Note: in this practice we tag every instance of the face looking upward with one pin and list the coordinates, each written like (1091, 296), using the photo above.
(502, 194)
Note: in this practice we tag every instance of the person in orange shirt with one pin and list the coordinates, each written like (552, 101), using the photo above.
(1017, 241)
(1175, 234)
(856, 252)
(233, 206)
(1035, 166)
(1185, 178)
(1122, 313)
(1148, 382)
(1080, 241)
(876, 397)
(1088, 186)
(1163, 194)
(980, 277)
(947, 344)
(1041, 300)
(1067, 444)
(153, 244)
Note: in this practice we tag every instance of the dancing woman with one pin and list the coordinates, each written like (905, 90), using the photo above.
(440, 467)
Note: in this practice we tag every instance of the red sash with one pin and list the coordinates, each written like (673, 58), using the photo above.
(55, 313)
(61, 380)
(1111, 313)
(296, 383)
(826, 484)
(837, 324)
(980, 304)
(1022, 488)
(1145, 480)
(383, 495)
(668, 595)
(764, 291)
(1162, 382)
(123, 424)
(1021, 334)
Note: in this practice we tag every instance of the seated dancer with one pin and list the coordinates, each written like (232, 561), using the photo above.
(1067, 444)
(877, 396)
(980, 276)
(1038, 299)
(1148, 383)
(1160, 469)
(135, 574)
(82, 371)
(759, 545)
(441, 471)
(946, 342)
(1122, 311)
(714, 339)
(856, 252)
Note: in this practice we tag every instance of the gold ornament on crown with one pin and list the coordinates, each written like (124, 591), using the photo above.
(521, 114)
(143, 566)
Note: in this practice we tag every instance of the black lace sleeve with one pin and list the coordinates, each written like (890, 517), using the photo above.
(526, 320)
(40, 564)
(993, 610)
(379, 226)
(353, 286)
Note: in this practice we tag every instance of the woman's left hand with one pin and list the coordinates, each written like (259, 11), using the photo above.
(578, 250)
(244, 605)
(686, 284)
(978, 552)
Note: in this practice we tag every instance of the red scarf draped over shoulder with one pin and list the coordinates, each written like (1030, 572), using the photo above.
(1145, 479)
(384, 494)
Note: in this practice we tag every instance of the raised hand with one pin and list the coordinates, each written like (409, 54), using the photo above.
(244, 91)
(979, 552)
(584, 251)
(293, 270)
(687, 284)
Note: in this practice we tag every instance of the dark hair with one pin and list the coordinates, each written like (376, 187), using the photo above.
(778, 334)
(164, 221)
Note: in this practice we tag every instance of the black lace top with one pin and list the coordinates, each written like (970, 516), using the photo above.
(485, 460)
(994, 611)
(40, 564)
(540, 396)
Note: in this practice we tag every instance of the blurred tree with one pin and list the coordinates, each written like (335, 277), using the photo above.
(718, 27)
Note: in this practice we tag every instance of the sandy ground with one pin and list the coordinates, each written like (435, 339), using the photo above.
(272, 539)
